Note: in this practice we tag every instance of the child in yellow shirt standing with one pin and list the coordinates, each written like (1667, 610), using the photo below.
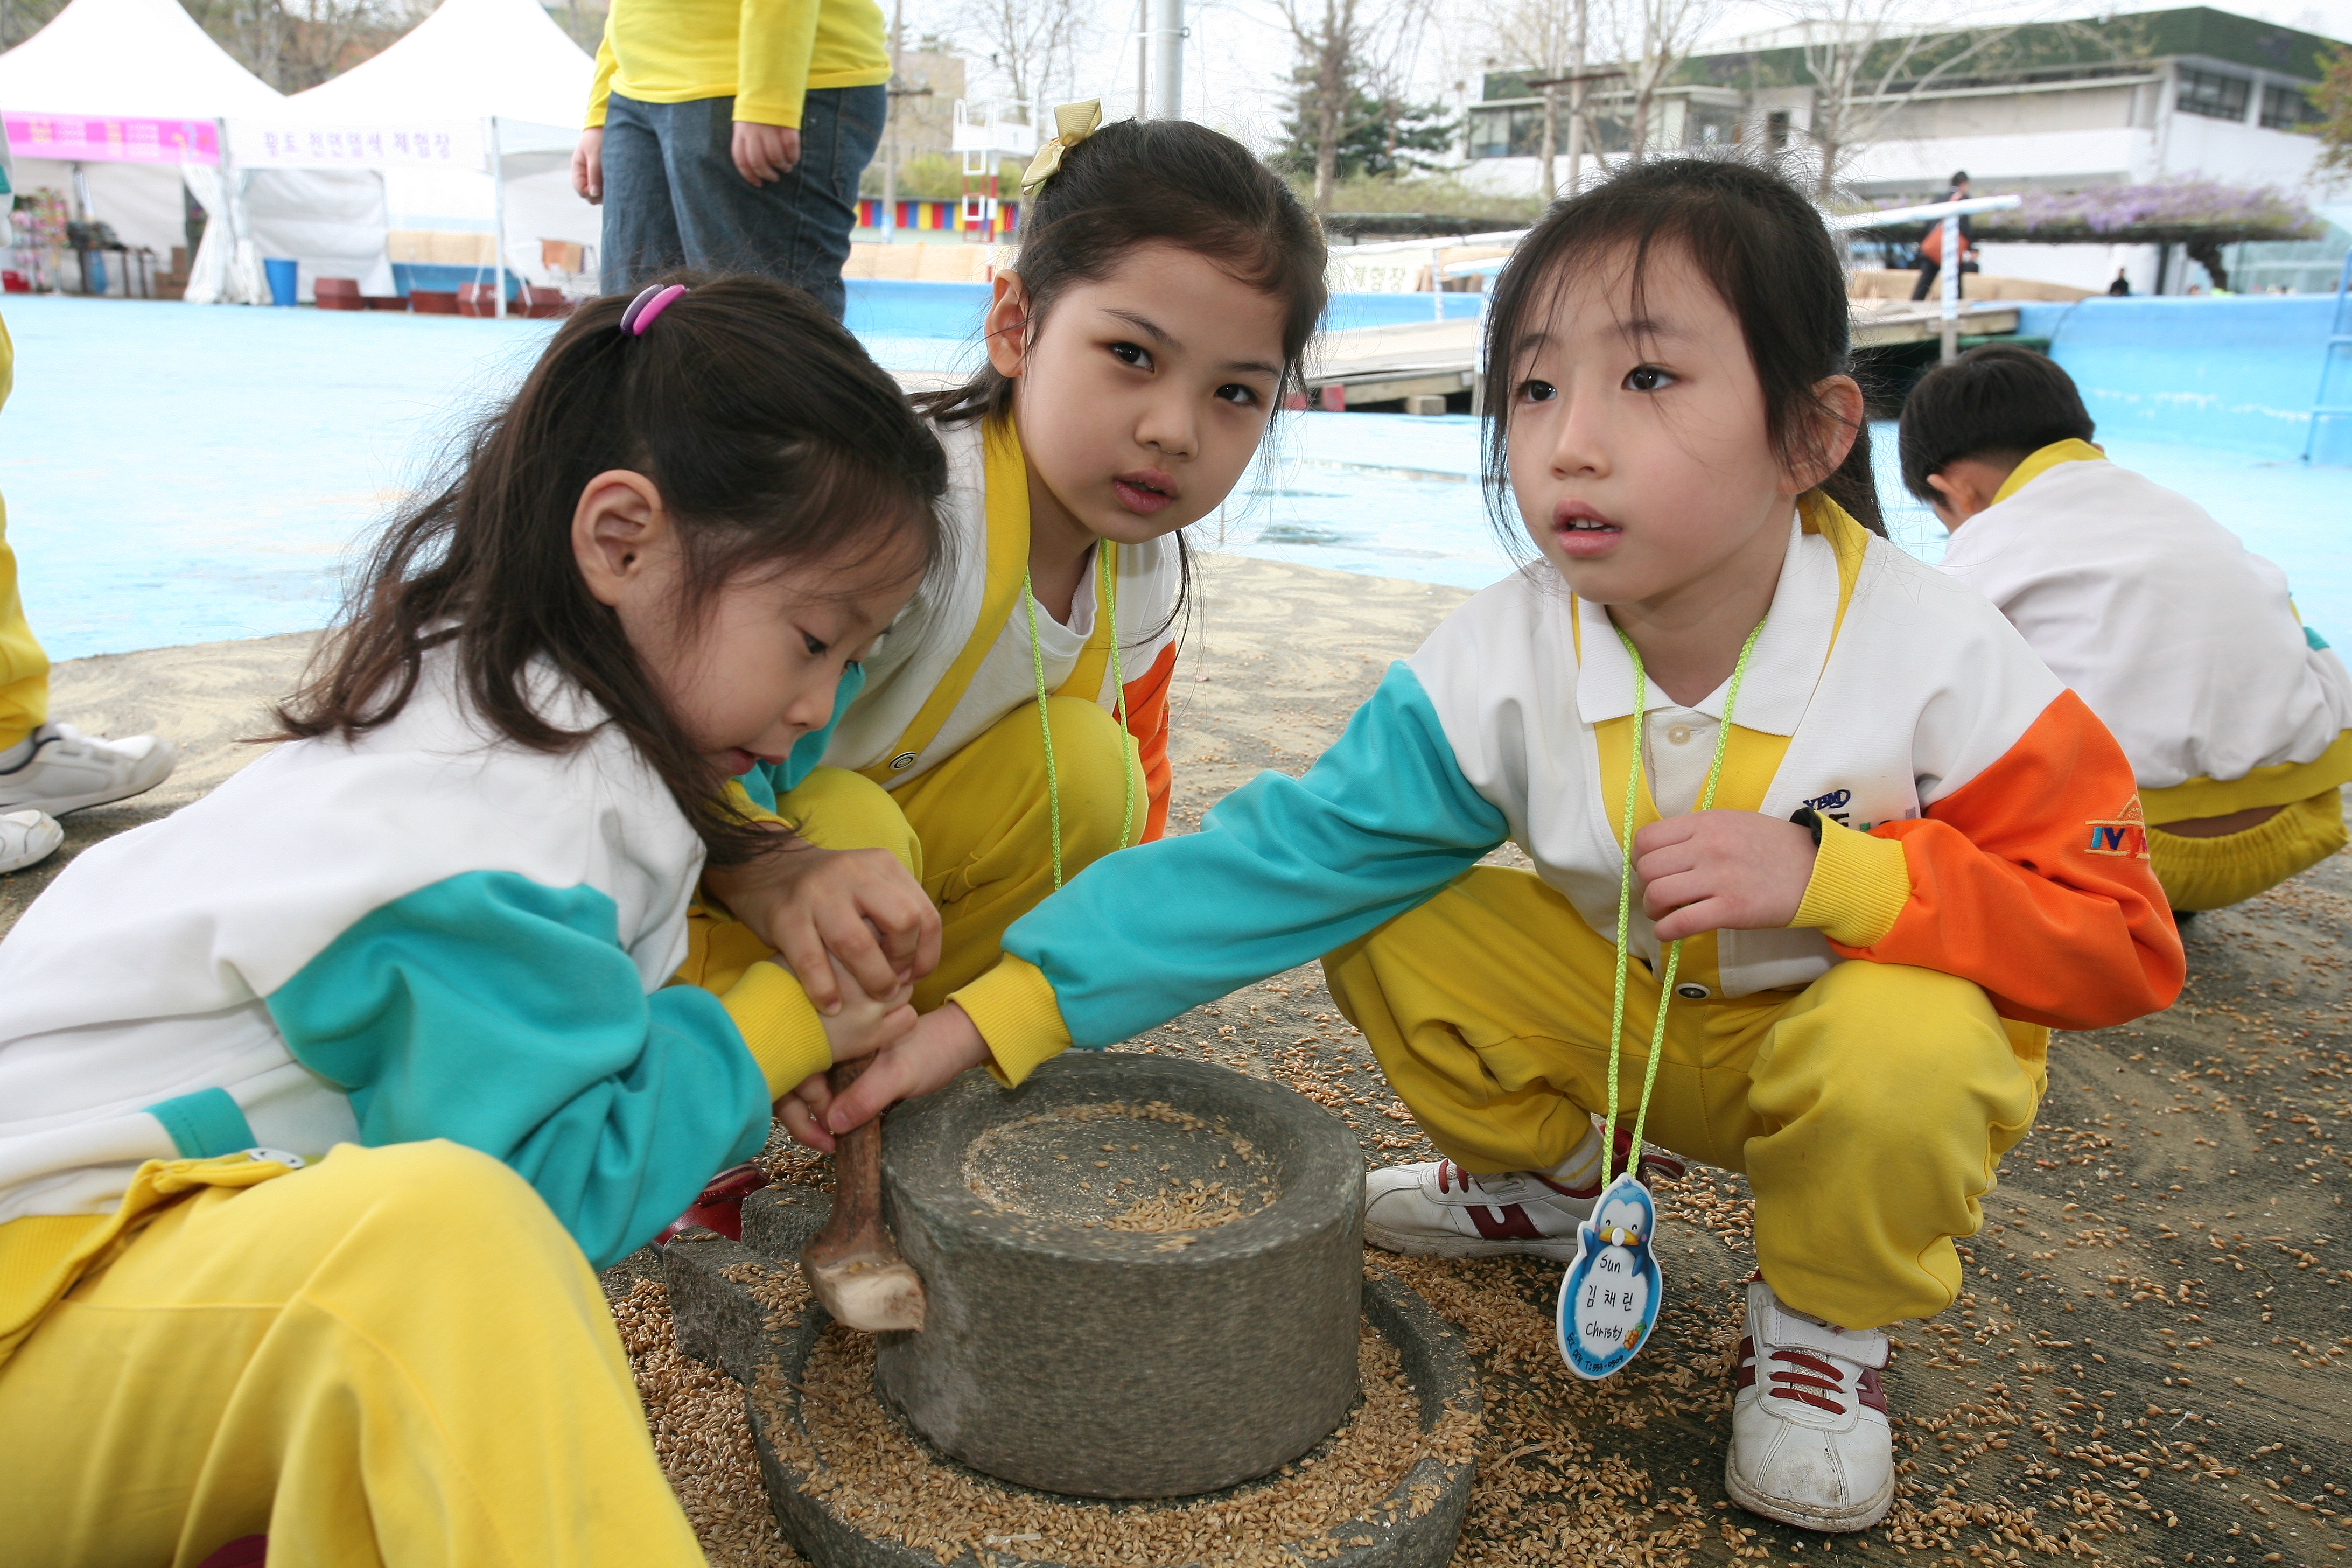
(730, 136)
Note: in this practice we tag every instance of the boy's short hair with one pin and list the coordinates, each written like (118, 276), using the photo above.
(1995, 402)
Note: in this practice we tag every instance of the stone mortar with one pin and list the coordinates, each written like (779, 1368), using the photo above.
(1061, 1354)
(1431, 1354)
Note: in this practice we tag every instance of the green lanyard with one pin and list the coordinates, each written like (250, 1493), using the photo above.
(1625, 900)
(1108, 564)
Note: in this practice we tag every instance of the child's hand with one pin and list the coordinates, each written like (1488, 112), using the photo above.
(1722, 870)
(858, 906)
(941, 1045)
(865, 1026)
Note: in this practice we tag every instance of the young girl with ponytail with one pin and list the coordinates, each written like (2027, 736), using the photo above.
(321, 1099)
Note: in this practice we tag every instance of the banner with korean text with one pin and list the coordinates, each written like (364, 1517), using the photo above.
(113, 139)
(453, 144)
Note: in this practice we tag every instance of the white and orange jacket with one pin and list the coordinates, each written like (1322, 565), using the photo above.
(957, 659)
(2183, 642)
(1979, 819)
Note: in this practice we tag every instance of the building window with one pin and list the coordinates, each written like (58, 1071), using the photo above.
(2287, 107)
(1711, 125)
(2213, 95)
(1776, 130)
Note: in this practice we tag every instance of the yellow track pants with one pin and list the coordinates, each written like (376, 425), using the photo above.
(394, 1356)
(24, 668)
(977, 831)
(1868, 1110)
(2214, 873)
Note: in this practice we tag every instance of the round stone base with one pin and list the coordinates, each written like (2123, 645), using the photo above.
(844, 1515)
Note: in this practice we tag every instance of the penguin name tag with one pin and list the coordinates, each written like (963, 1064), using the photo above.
(1609, 1300)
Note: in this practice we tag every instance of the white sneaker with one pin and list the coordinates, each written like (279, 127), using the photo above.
(1437, 1209)
(1810, 1445)
(28, 838)
(69, 770)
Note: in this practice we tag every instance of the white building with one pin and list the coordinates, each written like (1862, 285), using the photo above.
(2193, 93)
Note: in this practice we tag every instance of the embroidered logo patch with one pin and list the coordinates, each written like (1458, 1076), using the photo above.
(2124, 835)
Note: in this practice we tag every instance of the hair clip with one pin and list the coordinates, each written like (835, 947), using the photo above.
(1073, 123)
(651, 302)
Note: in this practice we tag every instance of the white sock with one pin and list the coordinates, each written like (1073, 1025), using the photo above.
(1581, 1169)
(17, 755)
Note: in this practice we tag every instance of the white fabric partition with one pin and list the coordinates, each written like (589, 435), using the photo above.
(226, 267)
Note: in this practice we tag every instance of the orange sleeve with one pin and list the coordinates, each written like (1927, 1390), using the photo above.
(2033, 879)
(1147, 721)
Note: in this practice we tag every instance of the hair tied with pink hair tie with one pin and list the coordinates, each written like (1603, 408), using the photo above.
(652, 302)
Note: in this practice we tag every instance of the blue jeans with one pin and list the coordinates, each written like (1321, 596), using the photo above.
(672, 196)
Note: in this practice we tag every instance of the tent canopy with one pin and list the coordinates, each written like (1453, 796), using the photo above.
(471, 60)
(132, 58)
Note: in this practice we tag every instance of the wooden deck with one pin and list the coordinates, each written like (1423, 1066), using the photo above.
(1381, 365)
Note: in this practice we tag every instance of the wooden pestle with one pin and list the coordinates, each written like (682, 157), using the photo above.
(851, 1266)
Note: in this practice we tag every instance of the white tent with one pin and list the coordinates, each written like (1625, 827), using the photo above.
(471, 118)
(150, 76)
(121, 100)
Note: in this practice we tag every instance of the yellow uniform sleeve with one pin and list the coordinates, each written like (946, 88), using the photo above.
(1858, 888)
(774, 43)
(780, 1025)
(1013, 1006)
(601, 88)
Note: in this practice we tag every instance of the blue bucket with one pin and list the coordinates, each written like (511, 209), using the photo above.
(282, 280)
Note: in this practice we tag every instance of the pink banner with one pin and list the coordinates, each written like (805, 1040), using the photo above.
(110, 138)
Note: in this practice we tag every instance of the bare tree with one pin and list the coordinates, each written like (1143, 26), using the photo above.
(1855, 52)
(1350, 54)
(297, 44)
(1030, 43)
(1548, 36)
(1653, 38)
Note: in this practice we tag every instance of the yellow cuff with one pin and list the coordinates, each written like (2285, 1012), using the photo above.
(779, 1025)
(1859, 887)
(1013, 1006)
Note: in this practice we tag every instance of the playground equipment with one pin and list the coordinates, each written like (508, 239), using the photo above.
(1006, 130)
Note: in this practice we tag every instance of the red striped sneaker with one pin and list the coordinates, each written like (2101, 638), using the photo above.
(1810, 1445)
(1437, 1209)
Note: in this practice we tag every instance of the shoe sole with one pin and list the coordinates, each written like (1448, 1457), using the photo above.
(31, 857)
(1862, 1516)
(74, 802)
(1561, 1250)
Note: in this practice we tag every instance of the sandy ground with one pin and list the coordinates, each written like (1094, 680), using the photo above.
(2148, 1364)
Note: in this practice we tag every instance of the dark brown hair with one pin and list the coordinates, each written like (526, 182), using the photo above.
(1141, 182)
(2001, 402)
(1759, 244)
(771, 436)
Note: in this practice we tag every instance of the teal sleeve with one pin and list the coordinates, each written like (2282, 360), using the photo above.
(1283, 871)
(766, 781)
(504, 1015)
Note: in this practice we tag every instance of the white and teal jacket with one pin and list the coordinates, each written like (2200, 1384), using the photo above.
(428, 933)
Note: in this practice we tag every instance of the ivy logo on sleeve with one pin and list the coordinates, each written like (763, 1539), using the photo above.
(2123, 835)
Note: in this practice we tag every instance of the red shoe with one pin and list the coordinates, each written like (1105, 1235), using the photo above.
(719, 1208)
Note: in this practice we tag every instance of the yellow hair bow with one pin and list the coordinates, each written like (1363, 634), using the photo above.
(1073, 123)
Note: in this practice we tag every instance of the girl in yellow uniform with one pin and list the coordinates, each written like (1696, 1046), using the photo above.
(320, 1099)
(1013, 727)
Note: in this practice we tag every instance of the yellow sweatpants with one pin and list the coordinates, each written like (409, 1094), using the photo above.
(24, 668)
(977, 831)
(394, 1356)
(2214, 873)
(1868, 1110)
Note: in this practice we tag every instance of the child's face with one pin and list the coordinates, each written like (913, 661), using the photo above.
(760, 668)
(1637, 448)
(757, 668)
(1141, 397)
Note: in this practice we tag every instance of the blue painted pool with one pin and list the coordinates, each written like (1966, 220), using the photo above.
(177, 475)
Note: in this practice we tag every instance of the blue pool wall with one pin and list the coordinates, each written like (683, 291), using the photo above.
(2239, 372)
(889, 308)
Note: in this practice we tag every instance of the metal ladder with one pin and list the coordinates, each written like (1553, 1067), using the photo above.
(2339, 336)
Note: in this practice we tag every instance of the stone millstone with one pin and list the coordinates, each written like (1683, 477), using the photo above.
(1070, 1347)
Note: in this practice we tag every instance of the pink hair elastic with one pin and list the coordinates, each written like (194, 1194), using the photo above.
(652, 302)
